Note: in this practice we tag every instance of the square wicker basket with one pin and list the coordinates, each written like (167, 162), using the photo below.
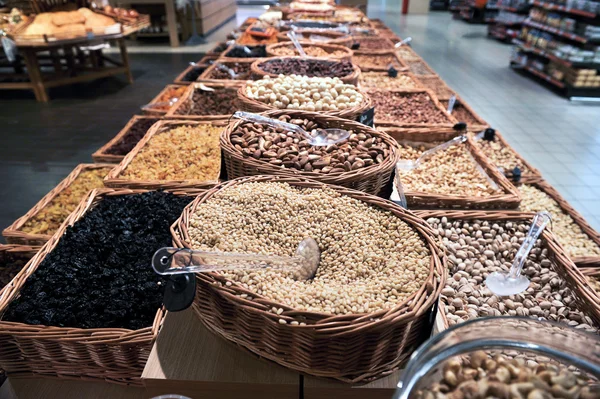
(181, 110)
(14, 233)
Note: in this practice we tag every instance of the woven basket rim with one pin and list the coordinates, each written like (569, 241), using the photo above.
(14, 232)
(442, 84)
(255, 105)
(156, 99)
(385, 40)
(324, 320)
(114, 180)
(101, 154)
(422, 61)
(349, 78)
(203, 78)
(585, 296)
(337, 178)
(325, 46)
(436, 103)
(510, 194)
(404, 73)
(481, 125)
(402, 65)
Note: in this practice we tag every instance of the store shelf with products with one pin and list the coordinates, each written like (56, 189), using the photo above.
(474, 11)
(563, 40)
(506, 25)
(192, 176)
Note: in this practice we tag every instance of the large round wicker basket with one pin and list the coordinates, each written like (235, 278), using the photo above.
(370, 179)
(252, 105)
(258, 72)
(353, 348)
(335, 37)
(345, 52)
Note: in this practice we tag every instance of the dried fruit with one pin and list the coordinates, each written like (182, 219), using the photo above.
(132, 136)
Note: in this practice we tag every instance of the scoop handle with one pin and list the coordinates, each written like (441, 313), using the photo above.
(230, 71)
(540, 220)
(441, 147)
(250, 117)
(170, 261)
(403, 42)
(292, 35)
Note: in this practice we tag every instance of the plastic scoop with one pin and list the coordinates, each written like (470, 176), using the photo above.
(173, 261)
(317, 137)
(222, 67)
(406, 165)
(451, 103)
(398, 196)
(292, 35)
(514, 282)
(202, 86)
(151, 106)
(403, 42)
(246, 49)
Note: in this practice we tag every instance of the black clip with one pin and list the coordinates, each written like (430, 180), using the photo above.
(392, 72)
(355, 46)
(181, 288)
(489, 134)
(460, 126)
(516, 174)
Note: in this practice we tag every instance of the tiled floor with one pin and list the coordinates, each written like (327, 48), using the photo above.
(41, 143)
(560, 138)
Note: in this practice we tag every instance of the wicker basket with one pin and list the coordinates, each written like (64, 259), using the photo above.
(415, 81)
(272, 49)
(407, 54)
(114, 180)
(149, 109)
(102, 155)
(259, 73)
(205, 77)
(109, 354)
(438, 86)
(383, 121)
(351, 348)
(14, 233)
(336, 37)
(529, 172)
(586, 298)
(252, 105)
(389, 45)
(223, 57)
(541, 184)
(371, 179)
(401, 65)
(203, 65)
(509, 198)
(474, 122)
(12, 260)
(420, 68)
(215, 51)
(183, 106)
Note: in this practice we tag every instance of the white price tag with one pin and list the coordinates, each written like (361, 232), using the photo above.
(451, 103)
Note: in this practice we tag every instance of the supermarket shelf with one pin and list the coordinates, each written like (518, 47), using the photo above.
(573, 93)
(507, 23)
(554, 31)
(552, 57)
(544, 76)
(522, 10)
(561, 8)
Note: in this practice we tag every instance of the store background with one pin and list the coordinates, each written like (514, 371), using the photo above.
(41, 143)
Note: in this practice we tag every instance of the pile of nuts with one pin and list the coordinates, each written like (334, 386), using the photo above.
(310, 50)
(249, 40)
(374, 43)
(292, 151)
(182, 153)
(477, 248)
(594, 282)
(222, 101)
(479, 376)
(307, 66)
(569, 234)
(500, 155)
(48, 219)
(407, 54)
(451, 172)
(132, 136)
(376, 61)
(370, 259)
(169, 96)
(408, 107)
(461, 113)
(241, 69)
(302, 92)
(374, 80)
(438, 86)
(419, 68)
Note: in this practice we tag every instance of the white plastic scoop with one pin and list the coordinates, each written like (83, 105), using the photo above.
(406, 165)
(403, 42)
(292, 35)
(246, 49)
(151, 106)
(514, 282)
(222, 67)
(317, 137)
(173, 261)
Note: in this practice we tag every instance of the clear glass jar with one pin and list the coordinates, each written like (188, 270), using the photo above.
(551, 352)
